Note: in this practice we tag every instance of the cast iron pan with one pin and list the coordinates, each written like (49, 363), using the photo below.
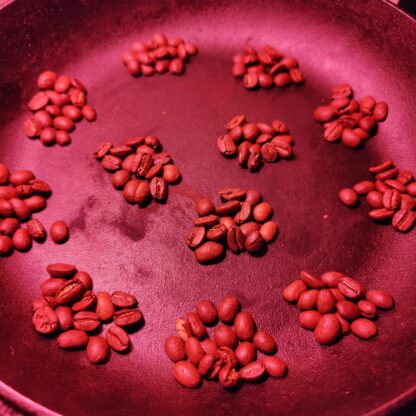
(366, 43)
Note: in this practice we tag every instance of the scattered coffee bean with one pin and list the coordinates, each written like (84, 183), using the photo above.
(59, 232)
(186, 374)
(98, 350)
(118, 339)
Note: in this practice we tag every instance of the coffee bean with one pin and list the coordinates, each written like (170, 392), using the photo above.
(6, 245)
(403, 220)
(395, 184)
(337, 294)
(380, 111)
(217, 233)
(375, 199)
(323, 113)
(388, 164)
(228, 208)
(98, 350)
(207, 312)
(204, 207)
(183, 329)
(8, 192)
(250, 81)
(254, 243)
(127, 317)
(228, 222)
(405, 177)
(207, 221)
(248, 227)
(380, 298)
(35, 203)
(89, 113)
(363, 187)
(228, 376)
(254, 162)
(159, 189)
(4, 174)
(253, 371)
(328, 329)
(197, 327)
(193, 350)
(59, 232)
(123, 300)
(48, 136)
(120, 179)
(8, 226)
(45, 321)
(364, 328)
(236, 121)
(408, 202)
(61, 270)
(345, 325)
(64, 317)
(6, 209)
(229, 194)
(311, 281)
(87, 302)
(325, 301)
(111, 163)
(264, 342)
(350, 288)
(367, 309)
(208, 366)
(307, 300)
(293, 291)
(262, 212)
(209, 346)
(118, 339)
(391, 199)
(235, 240)
(86, 321)
(51, 286)
(348, 310)
(381, 214)
(195, 237)
(174, 348)
(74, 338)
(387, 174)
(244, 326)
(103, 149)
(380, 186)
(243, 153)
(228, 308)
(46, 80)
(20, 209)
(275, 367)
(309, 319)
(22, 241)
(186, 374)
(70, 292)
(209, 252)
(224, 336)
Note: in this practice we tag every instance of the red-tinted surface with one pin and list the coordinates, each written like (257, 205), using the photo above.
(142, 251)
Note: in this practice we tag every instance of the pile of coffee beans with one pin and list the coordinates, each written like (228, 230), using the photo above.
(335, 305)
(158, 56)
(348, 119)
(72, 311)
(241, 222)
(266, 68)
(21, 195)
(391, 196)
(61, 102)
(255, 143)
(230, 356)
(139, 168)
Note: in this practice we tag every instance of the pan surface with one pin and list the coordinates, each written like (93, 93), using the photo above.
(369, 44)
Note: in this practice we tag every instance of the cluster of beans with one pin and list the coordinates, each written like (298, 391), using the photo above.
(348, 119)
(158, 56)
(391, 196)
(70, 308)
(62, 101)
(21, 194)
(241, 222)
(266, 68)
(230, 356)
(335, 305)
(254, 143)
(140, 169)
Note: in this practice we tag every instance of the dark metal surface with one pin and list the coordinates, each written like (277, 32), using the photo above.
(142, 251)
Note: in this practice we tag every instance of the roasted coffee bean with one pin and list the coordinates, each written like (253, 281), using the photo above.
(120, 179)
(348, 310)
(61, 270)
(207, 312)
(23, 191)
(127, 317)
(4, 174)
(228, 222)
(246, 353)
(59, 232)
(129, 191)
(345, 325)
(20, 209)
(380, 186)
(224, 336)
(216, 233)
(388, 164)
(111, 163)
(253, 371)
(395, 184)
(293, 291)
(411, 189)
(323, 113)
(186, 374)
(74, 338)
(381, 214)
(8, 192)
(325, 302)
(86, 321)
(8, 226)
(40, 187)
(350, 288)
(311, 281)
(36, 229)
(264, 342)
(236, 240)
(207, 221)
(403, 220)
(380, 111)
(254, 162)
(263, 139)
(309, 319)
(262, 212)
(6, 209)
(254, 243)
(98, 350)
(380, 298)
(391, 199)
(350, 138)
(155, 170)
(65, 317)
(123, 300)
(229, 194)
(363, 187)
(38, 101)
(89, 113)
(226, 146)
(85, 279)
(244, 326)
(38, 303)
(193, 350)
(364, 328)
(367, 309)
(248, 227)
(197, 327)
(250, 131)
(228, 208)
(204, 207)
(195, 237)
(45, 321)
(228, 376)
(209, 252)
(174, 348)
(408, 203)
(307, 300)
(6, 245)
(282, 80)
(171, 174)
(183, 328)
(70, 292)
(236, 121)
(328, 329)
(337, 294)
(46, 80)
(103, 149)
(159, 189)
(142, 164)
(209, 365)
(275, 367)
(35, 203)
(387, 174)
(243, 153)
(118, 339)
(405, 177)
(228, 308)
(50, 286)
(375, 199)
(44, 118)
(244, 214)
(32, 127)
(142, 193)
(209, 346)
(63, 123)
(22, 241)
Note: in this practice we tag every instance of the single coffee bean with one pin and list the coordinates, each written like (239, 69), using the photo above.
(174, 348)
(171, 174)
(337, 294)
(367, 309)
(363, 187)
(70, 292)
(85, 279)
(89, 113)
(197, 327)
(228, 222)
(345, 325)
(228, 308)
(254, 162)
(130, 189)
(275, 367)
(323, 113)
(8, 226)
(403, 220)
(411, 189)
(248, 227)
(74, 338)
(159, 189)
(210, 366)
(350, 288)
(103, 149)
(341, 90)
(61, 270)
(387, 174)
(38, 303)
(328, 329)
(4, 174)
(293, 291)
(22, 241)
(262, 212)
(405, 177)
(35, 203)
(87, 302)
(186, 374)
(348, 310)
(246, 353)
(388, 164)
(193, 350)
(395, 184)
(46, 80)
(348, 196)
(381, 214)
(209, 346)
(380, 186)
(244, 326)
(51, 286)
(121, 151)
(243, 153)
(244, 214)
(6, 245)
(375, 199)
(118, 339)
(6, 209)
(325, 302)
(380, 298)
(204, 207)
(235, 240)
(120, 179)
(228, 208)
(209, 252)
(40, 187)
(236, 121)
(155, 170)
(226, 146)
(264, 342)
(32, 127)
(45, 321)
(71, 112)
(8, 192)
(408, 203)
(142, 163)
(36, 229)
(98, 350)
(183, 328)
(20, 209)
(311, 281)
(127, 317)
(253, 371)
(111, 163)
(364, 328)
(63, 123)
(195, 237)
(254, 243)
(228, 376)
(309, 319)
(391, 199)
(59, 232)
(253, 197)
(224, 336)
(217, 233)
(64, 317)
(269, 231)
(350, 138)
(307, 300)
(123, 300)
